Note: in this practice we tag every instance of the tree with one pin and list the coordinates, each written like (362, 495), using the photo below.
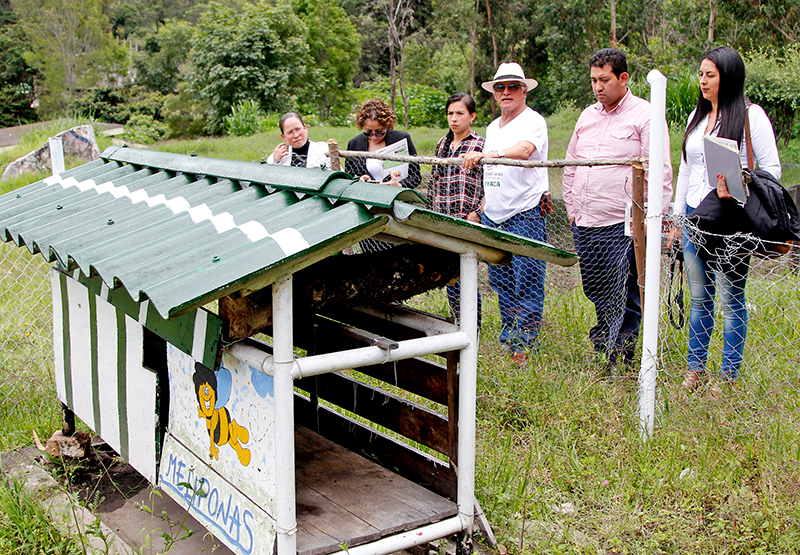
(160, 66)
(71, 46)
(16, 76)
(335, 47)
(399, 14)
(260, 53)
(458, 20)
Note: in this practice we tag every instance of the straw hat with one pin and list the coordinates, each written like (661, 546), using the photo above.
(509, 72)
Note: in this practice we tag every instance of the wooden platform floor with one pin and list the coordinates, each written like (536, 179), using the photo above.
(344, 499)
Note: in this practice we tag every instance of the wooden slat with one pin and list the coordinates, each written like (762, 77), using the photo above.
(390, 411)
(363, 488)
(419, 376)
(325, 523)
(403, 459)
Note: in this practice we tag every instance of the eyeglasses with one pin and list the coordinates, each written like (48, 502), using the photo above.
(294, 132)
(378, 134)
(512, 87)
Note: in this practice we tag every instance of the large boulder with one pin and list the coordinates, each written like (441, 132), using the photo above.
(78, 142)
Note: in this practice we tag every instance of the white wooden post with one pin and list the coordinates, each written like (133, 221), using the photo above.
(56, 155)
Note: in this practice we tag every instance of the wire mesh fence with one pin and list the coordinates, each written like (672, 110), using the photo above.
(27, 387)
(765, 393)
(738, 348)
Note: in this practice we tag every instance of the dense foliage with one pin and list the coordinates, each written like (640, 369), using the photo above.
(320, 57)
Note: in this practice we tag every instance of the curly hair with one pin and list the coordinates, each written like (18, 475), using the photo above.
(376, 109)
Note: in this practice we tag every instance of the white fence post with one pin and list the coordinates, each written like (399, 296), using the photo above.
(652, 279)
(56, 155)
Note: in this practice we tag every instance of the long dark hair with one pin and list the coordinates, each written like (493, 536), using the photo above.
(468, 101)
(731, 101)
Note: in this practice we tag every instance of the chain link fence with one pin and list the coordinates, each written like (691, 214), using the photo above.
(765, 394)
(737, 346)
(27, 387)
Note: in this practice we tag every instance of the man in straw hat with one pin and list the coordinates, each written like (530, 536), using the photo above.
(516, 200)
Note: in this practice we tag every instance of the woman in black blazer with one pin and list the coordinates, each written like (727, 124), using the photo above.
(376, 120)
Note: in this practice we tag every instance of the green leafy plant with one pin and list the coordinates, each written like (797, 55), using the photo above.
(181, 531)
(425, 104)
(244, 120)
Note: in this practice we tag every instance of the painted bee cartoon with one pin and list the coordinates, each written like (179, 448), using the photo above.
(211, 398)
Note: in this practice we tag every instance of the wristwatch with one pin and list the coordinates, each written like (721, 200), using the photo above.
(500, 154)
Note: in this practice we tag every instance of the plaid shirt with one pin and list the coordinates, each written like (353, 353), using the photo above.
(453, 190)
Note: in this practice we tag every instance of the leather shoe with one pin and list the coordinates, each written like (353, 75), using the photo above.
(692, 380)
(519, 358)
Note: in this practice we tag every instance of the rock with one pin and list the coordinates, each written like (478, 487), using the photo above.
(78, 142)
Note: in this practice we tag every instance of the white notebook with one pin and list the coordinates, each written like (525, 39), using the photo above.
(722, 156)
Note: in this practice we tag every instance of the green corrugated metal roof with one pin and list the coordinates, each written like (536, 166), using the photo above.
(186, 230)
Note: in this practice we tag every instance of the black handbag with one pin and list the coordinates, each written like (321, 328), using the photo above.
(718, 220)
(770, 209)
(765, 225)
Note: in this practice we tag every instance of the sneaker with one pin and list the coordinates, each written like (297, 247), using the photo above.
(692, 380)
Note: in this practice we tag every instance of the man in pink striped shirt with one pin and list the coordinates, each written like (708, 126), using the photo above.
(617, 126)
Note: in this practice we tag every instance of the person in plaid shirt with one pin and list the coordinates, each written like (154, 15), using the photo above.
(454, 190)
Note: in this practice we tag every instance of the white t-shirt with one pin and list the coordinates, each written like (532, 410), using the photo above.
(510, 190)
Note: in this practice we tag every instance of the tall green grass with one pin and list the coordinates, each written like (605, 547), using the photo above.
(26, 528)
(561, 467)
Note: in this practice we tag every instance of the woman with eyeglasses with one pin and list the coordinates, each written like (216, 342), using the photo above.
(376, 120)
(296, 149)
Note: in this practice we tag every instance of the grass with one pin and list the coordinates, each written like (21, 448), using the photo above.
(561, 467)
(26, 528)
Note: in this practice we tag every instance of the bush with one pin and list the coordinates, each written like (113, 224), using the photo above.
(184, 115)
(118, 105)
(106, 104)
(245, 119)
(425, 104)
(682, 92)
(773, 82)
(144, 130)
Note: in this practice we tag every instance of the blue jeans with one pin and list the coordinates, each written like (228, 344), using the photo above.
(520, 285)
(610, 281)
(704, 275)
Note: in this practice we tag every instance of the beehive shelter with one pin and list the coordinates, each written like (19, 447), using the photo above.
(167, 266)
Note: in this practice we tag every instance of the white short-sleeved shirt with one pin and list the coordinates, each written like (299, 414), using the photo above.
(510, 190)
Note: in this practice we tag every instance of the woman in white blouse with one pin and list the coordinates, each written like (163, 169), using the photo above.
(721, 111)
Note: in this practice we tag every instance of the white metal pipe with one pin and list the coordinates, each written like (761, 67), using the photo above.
(452, 244)
(467, 385)
(253, 356)
(366, 356)
(649, 370)
(410, 319)
(406, 540)
(283, 358)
